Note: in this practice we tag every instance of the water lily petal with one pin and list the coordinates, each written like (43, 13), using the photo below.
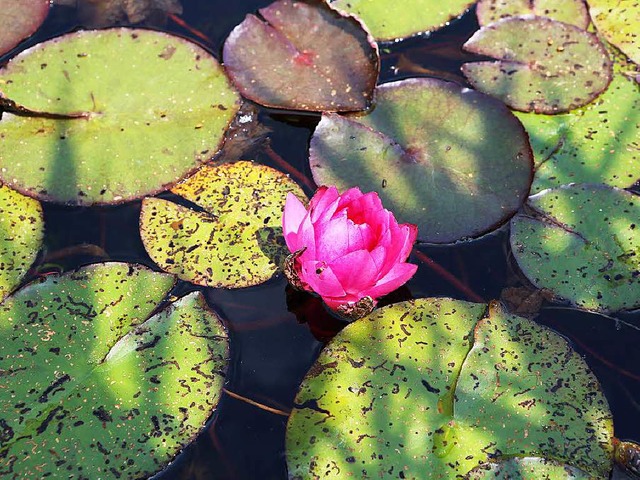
(332, 239)
(292, 217)
(321, 279)
(324, 203)
(334, 303)
(306, 239)
(397, 276)
(365, 209)
(356, 271)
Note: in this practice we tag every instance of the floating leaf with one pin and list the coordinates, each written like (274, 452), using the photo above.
(388, 22)
(568, 11)
(302, 55)
(527, 468)
(452, 182)
(583, 243)
(618, 21)
(21, 232)
(541, 65)
(19, 19)
(432, 386)
(147, 121)
(595, 144)
(94, 388)
(236, 241)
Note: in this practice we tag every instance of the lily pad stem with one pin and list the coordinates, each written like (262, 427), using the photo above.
(9, 106)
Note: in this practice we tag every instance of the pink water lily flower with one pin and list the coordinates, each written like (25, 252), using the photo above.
(346, 248)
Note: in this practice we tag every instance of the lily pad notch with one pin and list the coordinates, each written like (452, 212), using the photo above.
(112, 386)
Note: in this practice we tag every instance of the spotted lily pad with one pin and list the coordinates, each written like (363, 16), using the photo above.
(387, 20)
(94, 385)
(440, 386)
(568, 11)
(302, 55)
(21, 232)
(235, 239)
(541, 65)
(583, 243)
(594, 144)
(618, 21)
(152, 107)
(527, 468)
(452, 182)
(19, 19)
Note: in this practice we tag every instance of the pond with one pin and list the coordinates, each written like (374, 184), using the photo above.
(276, 333)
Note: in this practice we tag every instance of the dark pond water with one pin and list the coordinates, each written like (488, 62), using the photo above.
(271, 348)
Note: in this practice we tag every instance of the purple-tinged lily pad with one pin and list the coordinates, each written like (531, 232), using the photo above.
(19, 19)
(541, 65)
(582, 242)
(303, 55)
(567, 11)
(150, 107)
(453, 161)
(619, 22)
(391, 20)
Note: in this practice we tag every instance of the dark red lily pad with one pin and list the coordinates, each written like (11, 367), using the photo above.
(541, 65)
(303, 55)
(19, 19)
(448, 159)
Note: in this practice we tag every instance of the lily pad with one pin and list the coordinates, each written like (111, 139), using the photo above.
(568, 11)
(583, 243)
(19, 20)
(302, 55)
(93, 386)
(595, 144)
(438, 386)
(618, 21)
(21, 233)
(387, 20)
(527, 468)
(453, 161)
(143, 124)
(235, 239)
(541, 65)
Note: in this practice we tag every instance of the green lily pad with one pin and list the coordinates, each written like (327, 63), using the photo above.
(595, 144)
(583, 243)
(541, 65)
(451, 182)
(93, 386)
(21, 233)
(527, 468)
(302, 55)
(438, 386)
(568, 11)
(145, 122)
(387, 20)
(19, 20)
(235, 240)
(618, 21)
